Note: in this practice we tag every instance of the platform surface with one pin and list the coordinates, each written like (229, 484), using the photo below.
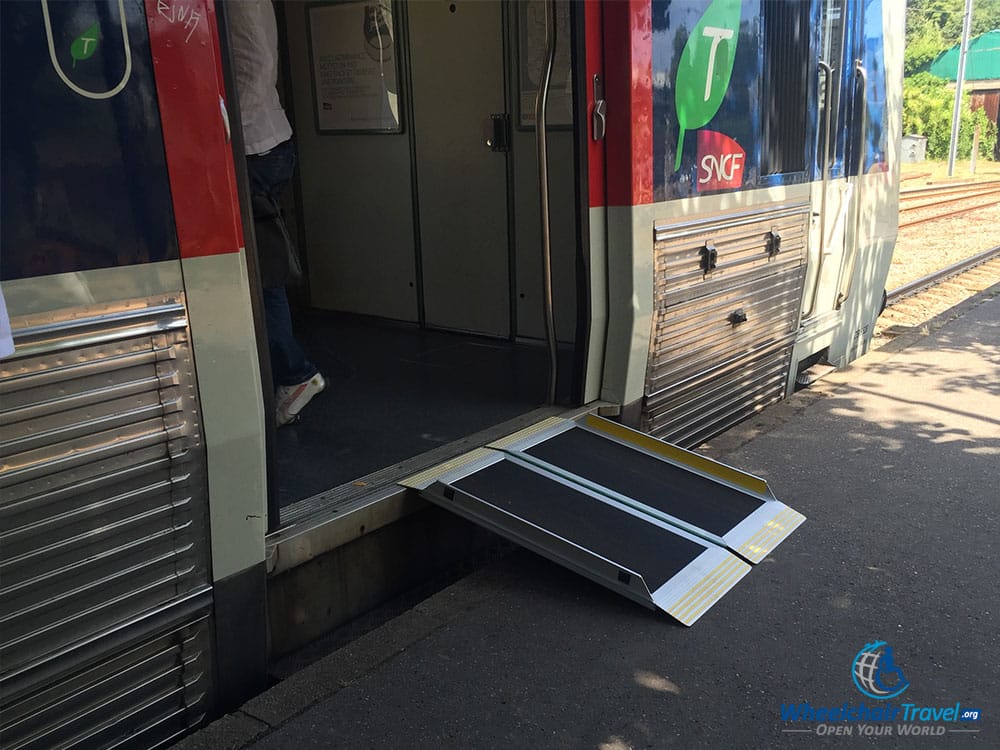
(896, 463)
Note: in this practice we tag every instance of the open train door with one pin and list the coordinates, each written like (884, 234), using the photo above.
(658, 524)
(854, 162)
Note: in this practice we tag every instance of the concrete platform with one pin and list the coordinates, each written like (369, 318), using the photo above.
(895, 462)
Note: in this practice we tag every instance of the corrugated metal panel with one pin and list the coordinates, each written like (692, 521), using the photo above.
(103, 518)
(144, 695)
(728, 292)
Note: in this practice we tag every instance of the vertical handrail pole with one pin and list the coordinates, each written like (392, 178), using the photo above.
(827, 72)
(862, 78)
(541, 144)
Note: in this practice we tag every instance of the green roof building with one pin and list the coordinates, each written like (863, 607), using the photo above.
(982, 63)
(982, 74)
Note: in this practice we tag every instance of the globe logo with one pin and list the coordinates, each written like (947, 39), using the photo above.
(875, 674)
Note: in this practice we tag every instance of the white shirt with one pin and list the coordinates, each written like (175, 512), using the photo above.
(253, 33)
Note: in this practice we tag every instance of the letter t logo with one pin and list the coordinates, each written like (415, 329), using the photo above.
(717, 35)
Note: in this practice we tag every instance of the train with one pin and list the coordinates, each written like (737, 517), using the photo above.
(506, 212)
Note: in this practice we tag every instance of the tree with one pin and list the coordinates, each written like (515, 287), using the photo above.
(947, 16)
(933, 26)
(927, 110)
(924, 42)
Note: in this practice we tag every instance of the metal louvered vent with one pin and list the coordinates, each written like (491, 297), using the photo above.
(787, 52)
(105, 587)
(728, 292)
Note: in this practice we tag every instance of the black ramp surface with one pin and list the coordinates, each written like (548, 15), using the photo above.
(708, 505)
(651, 551)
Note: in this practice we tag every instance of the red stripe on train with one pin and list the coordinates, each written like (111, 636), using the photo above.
(628, 61)
(187, 64)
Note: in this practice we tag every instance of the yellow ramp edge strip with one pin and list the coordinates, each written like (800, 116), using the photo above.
(708, 590)
(505, 442)
(679, 455)
(757, 547)
(426, 478)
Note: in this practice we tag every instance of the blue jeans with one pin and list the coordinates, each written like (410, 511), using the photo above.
(269, 175)
(289, 364)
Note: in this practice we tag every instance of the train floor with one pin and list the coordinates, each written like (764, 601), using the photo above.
(395, 391)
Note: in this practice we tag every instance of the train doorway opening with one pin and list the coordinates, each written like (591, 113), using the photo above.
(416, 212)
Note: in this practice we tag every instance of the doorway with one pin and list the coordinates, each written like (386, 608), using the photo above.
(420, 241)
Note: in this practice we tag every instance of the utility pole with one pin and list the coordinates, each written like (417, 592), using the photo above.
(956, 116)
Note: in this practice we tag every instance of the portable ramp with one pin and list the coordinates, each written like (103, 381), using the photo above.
(656, 523)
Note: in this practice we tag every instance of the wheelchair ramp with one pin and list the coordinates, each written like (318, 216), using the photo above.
(660, 525)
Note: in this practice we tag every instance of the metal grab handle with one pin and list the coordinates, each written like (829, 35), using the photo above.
(600, 118)
(862, 77)
(827, 73)
(541, 143)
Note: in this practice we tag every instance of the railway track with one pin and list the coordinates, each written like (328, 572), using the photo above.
(925, 282)
(920, 205)
(912, 305)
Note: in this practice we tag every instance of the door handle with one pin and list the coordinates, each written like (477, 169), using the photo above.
(600, 120)
(824, 161)
(860, 81)
(496, 132)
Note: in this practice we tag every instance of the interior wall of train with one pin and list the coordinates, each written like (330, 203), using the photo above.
(417, 210)
(408, 212)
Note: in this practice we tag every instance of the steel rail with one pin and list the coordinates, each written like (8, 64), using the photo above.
(945, 214)
(948, 200)
(949, 188)
(938, 276)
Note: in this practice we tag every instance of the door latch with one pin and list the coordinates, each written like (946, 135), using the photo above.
(496, 132)
(709, 258)
(773, 243)
(600, 119)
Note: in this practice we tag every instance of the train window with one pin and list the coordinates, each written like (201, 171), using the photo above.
(833, 53)
(84, 173)
(786, 86)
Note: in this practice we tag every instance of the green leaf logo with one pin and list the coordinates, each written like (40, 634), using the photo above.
(705, 68)
(85, 45)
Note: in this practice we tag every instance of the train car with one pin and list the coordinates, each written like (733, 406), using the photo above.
(506, 213)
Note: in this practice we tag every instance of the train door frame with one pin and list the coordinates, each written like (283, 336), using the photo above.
(580, 385)
(253, 268)
(853, 196)
(837, 193)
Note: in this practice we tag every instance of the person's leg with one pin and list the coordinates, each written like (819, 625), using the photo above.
(289, 364)
(296, 379)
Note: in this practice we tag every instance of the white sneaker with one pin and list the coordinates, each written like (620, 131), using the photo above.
(291, 399)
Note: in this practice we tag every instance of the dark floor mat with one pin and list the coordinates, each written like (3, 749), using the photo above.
(395, 391)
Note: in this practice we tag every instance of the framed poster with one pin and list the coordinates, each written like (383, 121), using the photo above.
(355, 66)
(531, 57)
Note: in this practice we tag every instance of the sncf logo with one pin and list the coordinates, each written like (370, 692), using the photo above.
(720, 162)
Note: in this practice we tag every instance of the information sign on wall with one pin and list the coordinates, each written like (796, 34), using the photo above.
(355, 66)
